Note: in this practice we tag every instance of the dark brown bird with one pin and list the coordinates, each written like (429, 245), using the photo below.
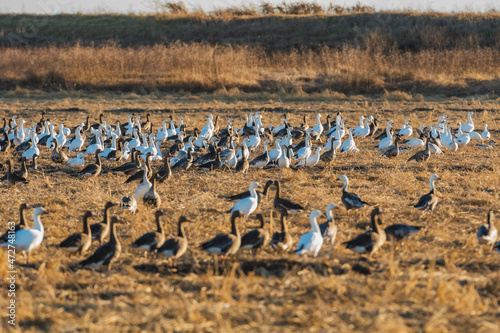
(151, 197)
(257, 238)
(282, 241)
(151, 241)
(430, 200)
(175, 247)
(100, 230)
(165, 172)
(93, 169)
(370, 241)
(242, 165)
(79, 242)
(21, 225)
(423, 155)
(282, 204)
(13, 178)
(131, 167)
(107, 253)
(225, 244)
(57, 156)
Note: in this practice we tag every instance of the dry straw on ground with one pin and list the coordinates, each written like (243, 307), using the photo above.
(437, 281)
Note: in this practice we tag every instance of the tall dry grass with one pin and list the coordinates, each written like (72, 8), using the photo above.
(196, 67)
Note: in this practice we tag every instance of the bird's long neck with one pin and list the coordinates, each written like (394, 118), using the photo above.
(261, 219)
(329, 215)
(278, 186)
(106, 216)
(86, 225)
(431, 182)
(314, 224)
(234, 227)
(159, 226)
(22, 219)
(114, 237)
(284, 227)
(180, 230)
(38, 222)
(346, 184)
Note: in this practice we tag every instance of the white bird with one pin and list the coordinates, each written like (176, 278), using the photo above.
(318, 128)
(27, 240)
(414, 143)
(304, 152)
(468, 127)
(311, 160)
(283, 161)
(248, 205)
(311, 242)
(364, 131)
(275, 154)
(33, 151)
(406, 130)
(360, 127)
(462, 138)
(78, 161)
(349, 145)
(387, 141)
(475, 136)
(61, 138)
(243, 151)
(254, 141)
(288, 140)
(143, 187)
(486, 134)
(77, 143)
(99, 145)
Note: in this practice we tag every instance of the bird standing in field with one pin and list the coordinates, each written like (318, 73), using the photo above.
(248, 205)
(488, 233)
(175, 247)
(311, 242)
(21, 225)
(372, 240)
(350, 200)
(257, 238)
(428, 201)
(225, 244)
(151, 241)
(26, 240)
(79, 242)
(107, 253)
(282, 204)
(282, 241)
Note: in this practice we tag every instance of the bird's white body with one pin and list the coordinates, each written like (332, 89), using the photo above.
(248, 205)
(78, 161)
(311, 242)
(29, 239)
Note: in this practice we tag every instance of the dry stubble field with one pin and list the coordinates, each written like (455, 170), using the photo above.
(438, 281)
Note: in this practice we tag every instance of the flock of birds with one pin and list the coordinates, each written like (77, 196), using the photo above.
(209, 149)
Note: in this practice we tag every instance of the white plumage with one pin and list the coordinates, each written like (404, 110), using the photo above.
(311, 242)
(248, 205)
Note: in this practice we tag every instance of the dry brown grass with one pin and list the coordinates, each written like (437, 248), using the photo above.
(198, 67)
(435, 282)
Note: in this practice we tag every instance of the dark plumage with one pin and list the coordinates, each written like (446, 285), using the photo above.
(488, 233)
(225, 244)
(398, 232)
(131, 167)
(13, 178)
(392, 150)
(429, 200)
(175, 247)
(282, 204)
(151, 197)
(350, 200)
(93, 169)
(282, 241)
(151, 241)
(212, 165)
(21, 225)
(260, 195)
(107, 253)
(369, 241)
(257, 238)
(139, 174)
(57, 156)
(242, 165)
(186, 162)
(423, 155)
(100, 230)
(79, 242)
(165, 172)
(329, 228)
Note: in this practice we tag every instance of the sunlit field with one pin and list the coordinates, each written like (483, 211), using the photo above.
(439, 280)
